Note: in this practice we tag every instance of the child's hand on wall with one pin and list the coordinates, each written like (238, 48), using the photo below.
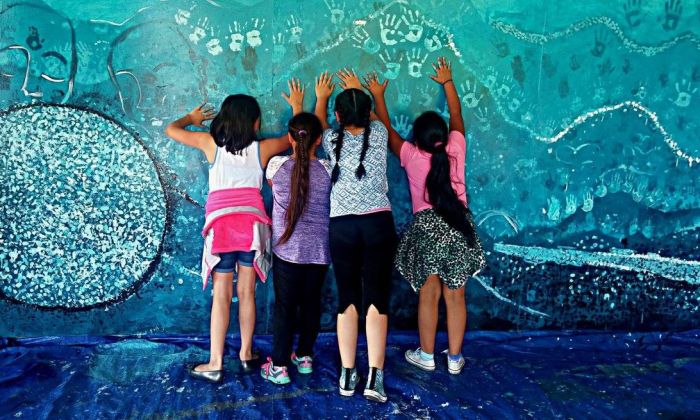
(200, 114)
(295, 98)
(348, 79)
(443, 71)
(373, 86)
(324, 86)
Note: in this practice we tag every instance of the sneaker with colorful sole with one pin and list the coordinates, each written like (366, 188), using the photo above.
(304, 364)
(275, 374)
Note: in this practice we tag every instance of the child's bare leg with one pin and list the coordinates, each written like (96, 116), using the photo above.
(376, 327)
(456, 317)
(347, 336)
(220, 313)
(246, 309)
(428, 312)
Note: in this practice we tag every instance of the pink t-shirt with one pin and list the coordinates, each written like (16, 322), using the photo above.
(417, 165)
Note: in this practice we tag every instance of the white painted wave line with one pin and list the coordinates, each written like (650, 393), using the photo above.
(646, 50)
(671, 268)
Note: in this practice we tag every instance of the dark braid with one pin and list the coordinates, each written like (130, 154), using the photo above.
(305, 129)
(338, 142)
(360, 171)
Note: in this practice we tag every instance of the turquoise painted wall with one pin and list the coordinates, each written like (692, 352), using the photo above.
(583, 150)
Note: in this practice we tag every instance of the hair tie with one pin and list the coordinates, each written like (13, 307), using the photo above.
(302, 132)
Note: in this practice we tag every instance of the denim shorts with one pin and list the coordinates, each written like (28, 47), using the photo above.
(229, 260)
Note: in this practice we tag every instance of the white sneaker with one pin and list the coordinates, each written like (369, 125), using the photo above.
(455, 367)
(413, 357)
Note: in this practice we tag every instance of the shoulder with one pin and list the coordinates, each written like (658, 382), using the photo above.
(456, 140)
(326, 165)
(408, 150)
(328, 133)
(377, 127)
(274, 165)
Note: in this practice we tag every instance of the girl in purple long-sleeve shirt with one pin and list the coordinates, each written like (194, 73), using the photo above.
(301, 187)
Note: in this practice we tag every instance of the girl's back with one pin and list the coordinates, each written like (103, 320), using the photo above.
(240, 170)
(308, 244)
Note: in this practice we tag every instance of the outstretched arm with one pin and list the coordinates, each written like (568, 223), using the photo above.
(177, 130)
(324, 89)
(377, 90)
(443, 75)
(276, 145)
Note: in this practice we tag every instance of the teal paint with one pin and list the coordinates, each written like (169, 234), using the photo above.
(582, 168)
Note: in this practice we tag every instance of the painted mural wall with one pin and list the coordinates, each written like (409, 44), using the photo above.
(583, 163)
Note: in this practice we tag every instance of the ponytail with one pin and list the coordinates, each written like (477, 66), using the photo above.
(431, 135)
(305, 129)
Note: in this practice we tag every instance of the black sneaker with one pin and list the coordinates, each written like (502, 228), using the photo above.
(375, 386)
(348, 381)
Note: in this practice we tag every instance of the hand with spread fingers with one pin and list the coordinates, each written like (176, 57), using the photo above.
(200, 114)
(443, 71)
(348, 79)
(295, 97)
(324, 85)
(373, 85)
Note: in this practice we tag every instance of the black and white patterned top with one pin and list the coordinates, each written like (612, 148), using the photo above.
(359, 196)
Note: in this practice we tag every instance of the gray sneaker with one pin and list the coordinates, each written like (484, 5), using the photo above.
(413, 357)
(374, 390)
(348, 381)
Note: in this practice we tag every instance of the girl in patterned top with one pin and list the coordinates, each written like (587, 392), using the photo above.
(440, 250)
(362, 235)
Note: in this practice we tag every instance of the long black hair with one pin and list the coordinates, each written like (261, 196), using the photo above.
(234, 125)
(305, 129)
(431, 135)
(353, 107)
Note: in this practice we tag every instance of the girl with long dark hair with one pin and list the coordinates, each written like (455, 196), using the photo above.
(441, 249)
(362, 234)
(301, 186)
(236, 229)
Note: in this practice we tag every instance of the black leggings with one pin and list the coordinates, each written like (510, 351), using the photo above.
(362, 250)
(297, 293)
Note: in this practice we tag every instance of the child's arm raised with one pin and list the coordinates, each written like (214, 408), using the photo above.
(177, 130)
(276, 145)
(377, 90)
(324, 89)
(443, 75)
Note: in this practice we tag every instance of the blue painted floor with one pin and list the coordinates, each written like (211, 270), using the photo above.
(540, 374)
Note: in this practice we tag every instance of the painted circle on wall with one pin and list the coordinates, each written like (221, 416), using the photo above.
(84, 211)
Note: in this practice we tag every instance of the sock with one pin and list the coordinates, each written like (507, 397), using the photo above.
(454, 357)
(425, 356)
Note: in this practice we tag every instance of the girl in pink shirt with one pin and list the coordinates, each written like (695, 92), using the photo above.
(441, 249)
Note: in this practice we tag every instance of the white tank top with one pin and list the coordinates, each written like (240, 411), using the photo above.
(243, 170)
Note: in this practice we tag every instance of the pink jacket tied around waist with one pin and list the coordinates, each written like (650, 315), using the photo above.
(236, 221)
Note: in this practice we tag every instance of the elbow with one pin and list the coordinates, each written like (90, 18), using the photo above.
(168, 130)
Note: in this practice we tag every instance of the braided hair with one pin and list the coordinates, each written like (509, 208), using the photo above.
(353, 107)
(305, 129)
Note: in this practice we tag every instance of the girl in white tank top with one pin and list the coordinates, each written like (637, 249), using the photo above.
(237, 160)
(236, 171)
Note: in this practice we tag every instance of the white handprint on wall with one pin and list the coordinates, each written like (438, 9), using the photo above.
(236, 37)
